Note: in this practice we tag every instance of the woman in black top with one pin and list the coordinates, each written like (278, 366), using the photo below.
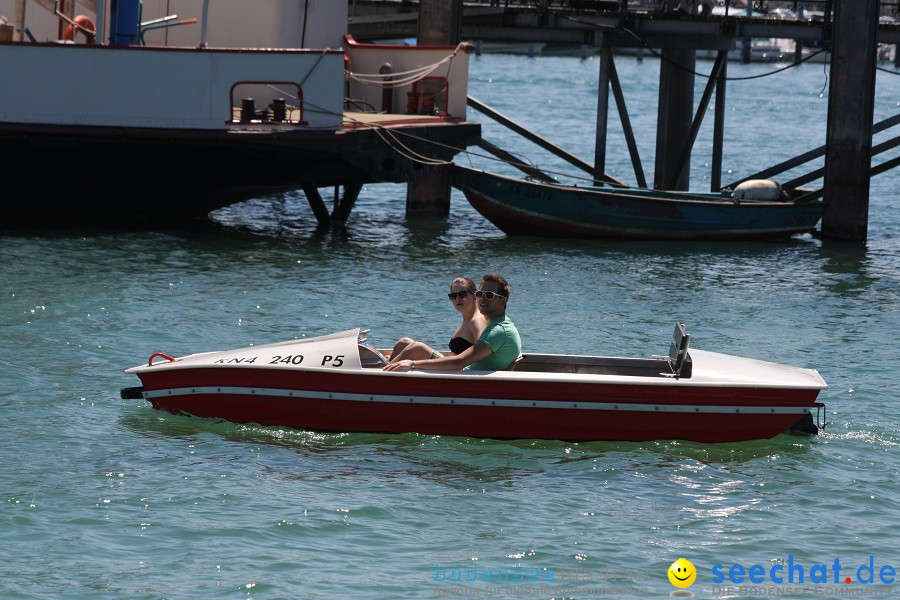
(462, 295)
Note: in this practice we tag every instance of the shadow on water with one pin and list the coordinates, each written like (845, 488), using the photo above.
(458, 460)
(149, 240)
(380, 224)
(851, 263)
(381, 227)
(270, 217)
(91, 229)
(55, 234)
(465, 464)
(452, 462)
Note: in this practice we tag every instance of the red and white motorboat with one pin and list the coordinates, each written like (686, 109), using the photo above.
(336, 383)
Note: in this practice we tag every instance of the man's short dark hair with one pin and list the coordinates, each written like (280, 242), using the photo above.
(504, 286)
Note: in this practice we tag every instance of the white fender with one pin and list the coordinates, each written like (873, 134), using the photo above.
(758, 189)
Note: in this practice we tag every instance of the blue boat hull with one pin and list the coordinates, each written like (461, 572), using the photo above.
(520, 207)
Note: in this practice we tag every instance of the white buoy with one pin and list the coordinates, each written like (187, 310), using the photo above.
(758, 189)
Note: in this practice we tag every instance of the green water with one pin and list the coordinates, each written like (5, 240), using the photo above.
(108, 498)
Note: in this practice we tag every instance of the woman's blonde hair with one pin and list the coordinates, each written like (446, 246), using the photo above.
(470, 285)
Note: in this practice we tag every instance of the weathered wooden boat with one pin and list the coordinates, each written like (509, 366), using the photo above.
(522, 207)
(336, 383)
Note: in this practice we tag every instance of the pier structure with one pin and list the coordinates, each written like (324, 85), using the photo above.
(165, 125)
(849, 29)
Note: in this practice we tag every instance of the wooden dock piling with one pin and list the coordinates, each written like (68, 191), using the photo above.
(851, 101)
(440, 22)
(675, 113)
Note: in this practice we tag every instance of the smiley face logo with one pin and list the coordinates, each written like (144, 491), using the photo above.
(682, 573)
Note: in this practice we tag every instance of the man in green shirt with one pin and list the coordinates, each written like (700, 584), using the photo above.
(497, 348)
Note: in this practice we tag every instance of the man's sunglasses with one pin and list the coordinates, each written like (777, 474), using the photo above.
(462, 294)
(488, 295)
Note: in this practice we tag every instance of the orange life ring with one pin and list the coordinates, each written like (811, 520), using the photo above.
(83, 24)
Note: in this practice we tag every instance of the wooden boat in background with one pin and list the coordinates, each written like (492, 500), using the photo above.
(523, 207)
(336, 383)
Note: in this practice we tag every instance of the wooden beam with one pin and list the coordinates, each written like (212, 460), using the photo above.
(545, 144)
(20, 20)
(626, 125)
(440, 23)
(715, 180)
(685, 156)
(317, 204)
(886, 166)
(428, 196)
(674, 115)
(810, 155)
(603, 83)
(348, 200)
(514, 161)
(818, 173)
(851, 105)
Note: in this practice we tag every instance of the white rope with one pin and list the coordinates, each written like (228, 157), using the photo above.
(417, 69)
(391, 80)
(378, 77)
(396, 83)
(398, 146)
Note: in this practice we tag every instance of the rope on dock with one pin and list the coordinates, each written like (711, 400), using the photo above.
(402, 78)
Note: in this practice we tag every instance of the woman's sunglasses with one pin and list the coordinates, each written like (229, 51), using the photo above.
(488, 295)
(462, 294)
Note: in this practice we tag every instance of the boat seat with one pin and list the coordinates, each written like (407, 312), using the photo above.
(678, 358)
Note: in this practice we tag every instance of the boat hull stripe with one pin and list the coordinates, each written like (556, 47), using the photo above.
(251, 392)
